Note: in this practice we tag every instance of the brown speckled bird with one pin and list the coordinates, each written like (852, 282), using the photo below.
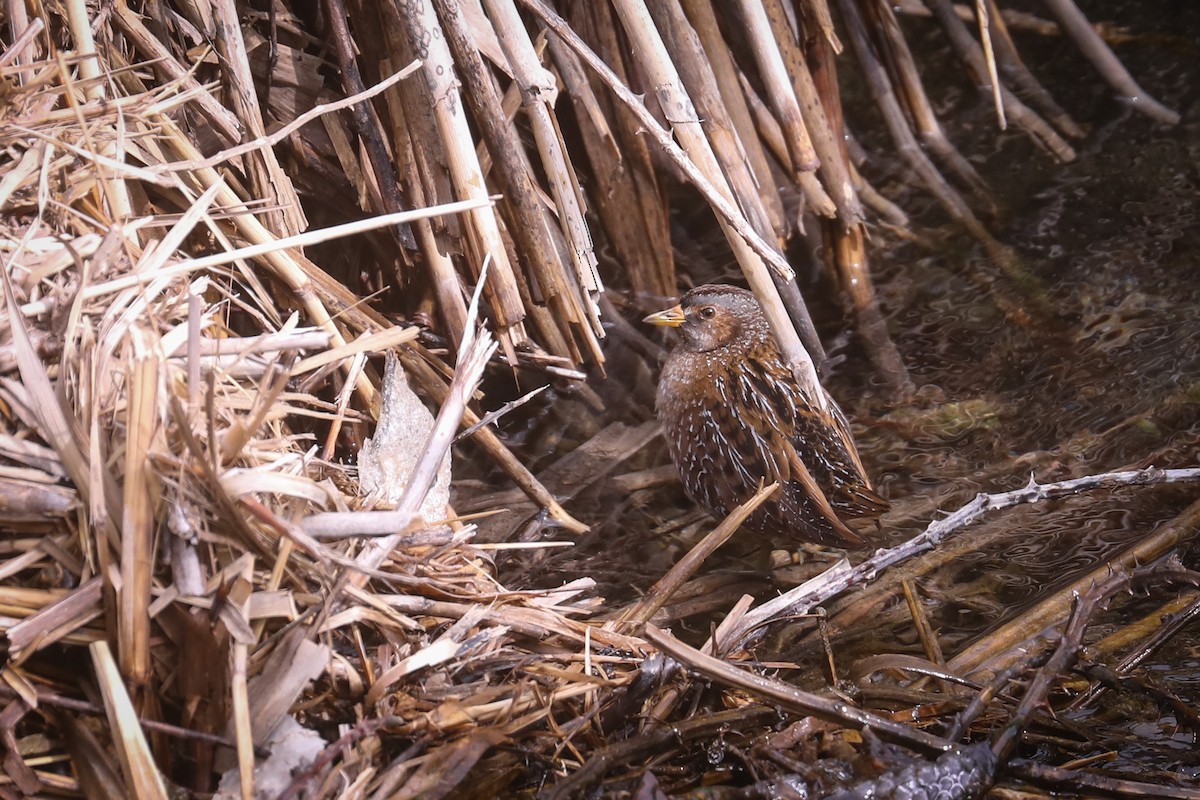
(734, 416)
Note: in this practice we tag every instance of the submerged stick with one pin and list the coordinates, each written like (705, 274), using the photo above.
(1073, 23)
(775, 691)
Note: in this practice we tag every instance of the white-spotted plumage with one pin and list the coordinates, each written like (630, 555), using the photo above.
(735, 418)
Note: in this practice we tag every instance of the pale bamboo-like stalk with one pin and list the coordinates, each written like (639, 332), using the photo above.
(532, 229)
(834, 168)
(267, 178)
(242, 727)
(137, 526)
(678, 108)
(24, 35)
(641, 612)
(483, 232)
(633, 213)
(142, 778)
(906, 142)
(902, 70)
(989, 56)
(850, 255)
(785, 106)
(688, 53)
(727, 212)
(224, 121)
(728, 149)
(285, 266)
(704, 21)
(538, 92)
(1027, 85)
(115, 190)
(411, 129)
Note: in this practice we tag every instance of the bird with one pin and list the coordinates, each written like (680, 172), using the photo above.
(735, 418)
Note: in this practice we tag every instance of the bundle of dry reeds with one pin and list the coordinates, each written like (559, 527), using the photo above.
(188, 566)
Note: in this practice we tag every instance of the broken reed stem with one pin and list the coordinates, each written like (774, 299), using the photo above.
(138, 523)
(285, 214)
(884, 95)
(749, 249)
(1027, 85)
(989, 55)
(833, 166)
(850, 256)
(1086, 604)
(701, 82)
(902, 69)
(730, 153)
(725, 210)
(539, 90)
(142, 778)
(703, 20)
(160, 59)
(1163, 624)
(783, 102)
(632, 620)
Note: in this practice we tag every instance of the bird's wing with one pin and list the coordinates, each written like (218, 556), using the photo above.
(819, 443)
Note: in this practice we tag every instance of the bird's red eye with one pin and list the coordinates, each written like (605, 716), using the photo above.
(708, 312)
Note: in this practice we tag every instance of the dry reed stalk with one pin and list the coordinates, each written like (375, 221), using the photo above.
(433, 385)
(971, 54)
(137, 525)
(902, 69)
(1011, 642)
(142, 778)
(867, 603)
(687, 51)
(531, 223)
(703, 20)
(633, 214)
(24, 48)
(1026, 84)
(224, 121)
(241, 721)
(472, 359)
(776, 691)
(886, 100)
(850, 255)
(640, 613)
(268, 181)
(483, 234)
(727, 213)
(539, 91)
(365, 123)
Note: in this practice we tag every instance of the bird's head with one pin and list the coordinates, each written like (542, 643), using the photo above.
(713, 316)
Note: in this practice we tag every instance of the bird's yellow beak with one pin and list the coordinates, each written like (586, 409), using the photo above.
(671, 317)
